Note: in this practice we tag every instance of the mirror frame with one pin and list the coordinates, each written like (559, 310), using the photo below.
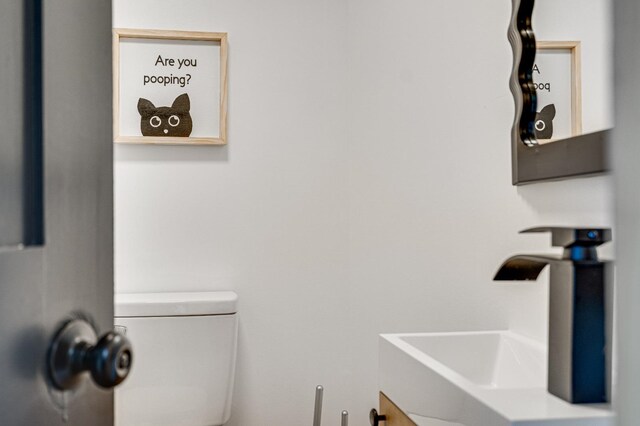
(571, 157)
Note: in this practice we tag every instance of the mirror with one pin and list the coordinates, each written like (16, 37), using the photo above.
(562, 82)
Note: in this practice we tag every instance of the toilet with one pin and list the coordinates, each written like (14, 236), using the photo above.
(184, 356)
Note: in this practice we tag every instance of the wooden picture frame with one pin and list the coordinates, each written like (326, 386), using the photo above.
(170, 72)
(572, 48)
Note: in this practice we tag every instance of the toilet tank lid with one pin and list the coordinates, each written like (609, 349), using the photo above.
(175, 304)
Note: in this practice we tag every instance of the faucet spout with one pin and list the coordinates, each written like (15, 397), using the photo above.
(580, 295)
(524, 267)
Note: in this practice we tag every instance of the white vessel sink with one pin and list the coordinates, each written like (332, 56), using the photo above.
(490, 378)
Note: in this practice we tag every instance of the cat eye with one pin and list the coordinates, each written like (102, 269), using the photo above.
(174, 120)
(155, 121)
(540, 125)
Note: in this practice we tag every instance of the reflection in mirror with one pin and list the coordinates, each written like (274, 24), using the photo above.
(572, 71)
(562, 87)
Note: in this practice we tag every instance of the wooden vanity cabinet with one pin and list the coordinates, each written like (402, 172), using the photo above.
(394, 416)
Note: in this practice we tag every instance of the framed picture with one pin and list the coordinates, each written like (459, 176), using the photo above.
(170, 87)
(557, 79)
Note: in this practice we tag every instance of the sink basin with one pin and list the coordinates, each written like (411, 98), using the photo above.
(488, 378)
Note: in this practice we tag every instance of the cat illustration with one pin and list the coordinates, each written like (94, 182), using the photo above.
(166, 121)
(544, 122)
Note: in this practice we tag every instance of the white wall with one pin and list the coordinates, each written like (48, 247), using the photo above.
(433, 212)
(265, 216)
(365, 189)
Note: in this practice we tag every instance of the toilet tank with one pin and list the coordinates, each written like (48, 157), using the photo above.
(184, 356)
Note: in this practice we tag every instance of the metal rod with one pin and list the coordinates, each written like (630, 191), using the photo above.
(345, 418)
(317, 410)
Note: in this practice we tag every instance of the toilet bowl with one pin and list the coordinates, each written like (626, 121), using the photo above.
(184, 353)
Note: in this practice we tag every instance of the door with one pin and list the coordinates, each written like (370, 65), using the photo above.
(56, 236)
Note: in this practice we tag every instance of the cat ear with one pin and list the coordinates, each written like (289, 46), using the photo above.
(145, 107)
(182, 103)
(549, 110)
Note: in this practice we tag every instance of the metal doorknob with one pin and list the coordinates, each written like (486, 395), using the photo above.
(75, 349)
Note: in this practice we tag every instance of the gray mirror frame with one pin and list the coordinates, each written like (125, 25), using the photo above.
(576, 156)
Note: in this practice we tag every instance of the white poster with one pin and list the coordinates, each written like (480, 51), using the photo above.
(169, 89)
(554, 76)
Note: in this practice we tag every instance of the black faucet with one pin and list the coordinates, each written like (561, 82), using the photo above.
(580, 301)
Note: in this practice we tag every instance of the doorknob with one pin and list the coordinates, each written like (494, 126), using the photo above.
(75, 349)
